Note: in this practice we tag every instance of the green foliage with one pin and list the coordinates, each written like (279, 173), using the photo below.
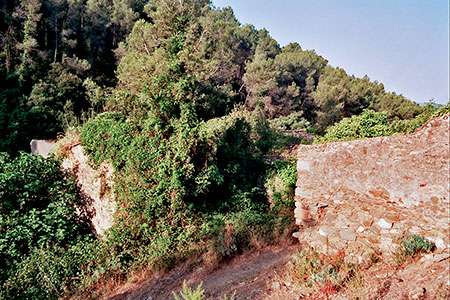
(173, 170)
(40, 230)
(412, 246)
(429, 111)
(308, 268)
(294, 121)
(368, 124)
(371, 124)
(110, 133)
(417, 244)
(48, 48)
(189, 158)
(280, 184)
(282, 79)
(325, 274)
(339, 96)
(188, 294)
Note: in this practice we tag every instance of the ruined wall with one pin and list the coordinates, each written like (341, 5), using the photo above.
(95, 186)
(363, 195)
(42, 147)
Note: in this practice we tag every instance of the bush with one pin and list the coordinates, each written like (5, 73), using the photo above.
(198, 294)
(372, 124)
(39, 226)
(324, 273)
(368, 124)
(280, 185)
(411, 247)
(294, 121)
(188, 294)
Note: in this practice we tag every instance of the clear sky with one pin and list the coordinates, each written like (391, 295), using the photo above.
(402, 43)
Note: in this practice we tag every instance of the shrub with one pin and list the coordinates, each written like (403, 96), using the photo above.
(368, 124)
(188, 294)
(280, 185)
(39, 227)
(323, 273)
(371, 124)
(411, 247)
(198, 294)
(294, 121)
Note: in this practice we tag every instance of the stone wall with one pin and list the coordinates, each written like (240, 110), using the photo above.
(95, 185)
(42, 147)
(362, 196)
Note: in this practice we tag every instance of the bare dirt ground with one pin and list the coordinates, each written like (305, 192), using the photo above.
(247, 275)
(258, 275)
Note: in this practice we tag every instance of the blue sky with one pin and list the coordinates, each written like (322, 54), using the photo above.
(402, 43)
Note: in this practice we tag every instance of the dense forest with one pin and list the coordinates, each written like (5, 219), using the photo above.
(61, 59)
(188, 106)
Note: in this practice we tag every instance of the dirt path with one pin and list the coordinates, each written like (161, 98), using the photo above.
(248, 274)
(255, 276)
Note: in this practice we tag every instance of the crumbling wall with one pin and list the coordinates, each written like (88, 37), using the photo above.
(361, 196)
(42, 147)
(95, 185)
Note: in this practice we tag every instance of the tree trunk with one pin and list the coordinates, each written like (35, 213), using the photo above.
(56, 39)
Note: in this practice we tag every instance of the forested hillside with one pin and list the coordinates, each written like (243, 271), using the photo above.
(186, 104)
(59, 57)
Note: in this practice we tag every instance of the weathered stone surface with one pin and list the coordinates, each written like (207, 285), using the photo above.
(383, 224)
(42, 147)
(347, 235)
(96, 188)
(363, 195)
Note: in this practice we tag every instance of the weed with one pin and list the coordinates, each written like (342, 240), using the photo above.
(303, 266)
(411, 247)
(355, 286)
(188, 294)
(66, 142)
(326, 274)
(198, 294)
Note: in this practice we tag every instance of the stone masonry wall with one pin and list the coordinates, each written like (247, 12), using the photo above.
(363, 195)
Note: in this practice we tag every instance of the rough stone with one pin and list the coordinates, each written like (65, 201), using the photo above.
(96, 187)
(42, 147)
(303, 165)
(372, 191)
(347, 235)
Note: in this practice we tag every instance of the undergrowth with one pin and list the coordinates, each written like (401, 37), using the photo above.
(411, 247)
(372, 124)
(188, 293)
(324, 275)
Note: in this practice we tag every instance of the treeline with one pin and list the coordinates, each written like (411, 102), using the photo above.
(58, 60)
(54, 57)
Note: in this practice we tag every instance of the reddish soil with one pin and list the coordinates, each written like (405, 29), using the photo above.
(258, 275)
(248, 275)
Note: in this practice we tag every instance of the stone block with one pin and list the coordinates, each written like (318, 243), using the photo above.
(376, 189)
(303, 165)
(347, 235)
(42, 147)
(299, 192)
(336, 243)
(297, 235)
(382, 223)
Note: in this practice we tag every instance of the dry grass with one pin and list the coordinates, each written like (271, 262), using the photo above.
(65, 143)
(325, 275)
